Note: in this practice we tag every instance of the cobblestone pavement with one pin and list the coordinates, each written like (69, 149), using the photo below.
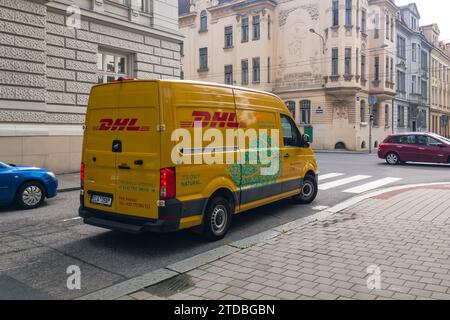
(403, 233)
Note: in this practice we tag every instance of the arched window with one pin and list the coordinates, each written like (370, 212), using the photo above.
(340, 146)
(203, 21)
(291, 106)
(305, 109)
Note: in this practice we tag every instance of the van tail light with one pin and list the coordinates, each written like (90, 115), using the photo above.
(82, 174)
(167, 184)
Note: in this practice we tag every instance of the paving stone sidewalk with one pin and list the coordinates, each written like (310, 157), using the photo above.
(403, 233)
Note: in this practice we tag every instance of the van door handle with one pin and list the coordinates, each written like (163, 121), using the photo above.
(124, 167)
(139, 162)
(287, 155)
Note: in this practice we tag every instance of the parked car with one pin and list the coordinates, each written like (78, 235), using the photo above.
(415, 147)
(26, 187)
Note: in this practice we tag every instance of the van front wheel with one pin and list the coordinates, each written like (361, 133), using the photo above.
(217, 219)
(308, 193)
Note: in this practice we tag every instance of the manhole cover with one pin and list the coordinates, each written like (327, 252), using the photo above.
(172, 286)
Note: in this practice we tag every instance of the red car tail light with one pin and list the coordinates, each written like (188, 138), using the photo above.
(167, 184)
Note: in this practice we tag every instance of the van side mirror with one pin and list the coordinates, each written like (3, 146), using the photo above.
(306, 139)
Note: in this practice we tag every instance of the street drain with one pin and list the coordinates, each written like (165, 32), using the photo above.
(171, 286)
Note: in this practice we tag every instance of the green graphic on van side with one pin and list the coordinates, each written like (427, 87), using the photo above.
(249, 173)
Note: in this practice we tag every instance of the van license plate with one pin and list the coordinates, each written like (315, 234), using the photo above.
(101, 200)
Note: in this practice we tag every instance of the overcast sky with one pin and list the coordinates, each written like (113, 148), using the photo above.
(433, 11)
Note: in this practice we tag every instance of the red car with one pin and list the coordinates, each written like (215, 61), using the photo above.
(415, 147)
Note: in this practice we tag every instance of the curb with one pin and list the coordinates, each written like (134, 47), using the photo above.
(68, 189)
(344, 152)
(154, 277)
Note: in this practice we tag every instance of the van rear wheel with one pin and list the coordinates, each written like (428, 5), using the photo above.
(217, 219)
(308, 193)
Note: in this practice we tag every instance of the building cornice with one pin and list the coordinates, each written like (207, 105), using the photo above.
(119, 23)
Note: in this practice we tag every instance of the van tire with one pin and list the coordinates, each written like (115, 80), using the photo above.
(311, 188)
(217, 219)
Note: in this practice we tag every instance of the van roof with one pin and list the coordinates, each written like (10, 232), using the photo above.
(199, 82)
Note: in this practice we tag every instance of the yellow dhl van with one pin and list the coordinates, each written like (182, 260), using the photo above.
(136, 176)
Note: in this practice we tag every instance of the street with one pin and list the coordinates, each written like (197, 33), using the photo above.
(38, 246)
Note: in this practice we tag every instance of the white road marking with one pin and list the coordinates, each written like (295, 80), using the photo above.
(320, 208)
(372, 185)
(329, 176)
(73, 219)
(341, 182)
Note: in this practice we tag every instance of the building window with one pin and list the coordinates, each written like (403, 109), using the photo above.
(413, 84)
(388, 31)
(244, 28)
(256, 28)
(244, 68)
(362, 111)
(414, 52)
(256, 70)
(268, 27)
(305, 109)
(203, 58)
(413, 23)
(392, 71)
(348, 12)
(335, 13)
(424, 90)
(335, 62)
(377, 69)
(363, 67)
(401, 81)
(203, 21)
(363, 21)
(268, 70)
(291, 106)
(392, 29)
(348, 61)
(229, 37)
(229, 74)
(386, 115)
(424, 61)
(401, 47)
(112, 66)
(387, 69)
(401, 116)
(377, 26)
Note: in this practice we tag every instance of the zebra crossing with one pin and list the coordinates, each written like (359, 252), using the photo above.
(356, 184)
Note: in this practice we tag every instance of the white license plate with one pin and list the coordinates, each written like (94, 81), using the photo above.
(101, 200)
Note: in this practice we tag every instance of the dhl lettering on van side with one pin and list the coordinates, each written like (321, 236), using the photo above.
(120, 125)
(216, 120)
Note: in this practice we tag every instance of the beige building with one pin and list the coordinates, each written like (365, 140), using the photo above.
(52, 52)
(440, 82)
(323, 58)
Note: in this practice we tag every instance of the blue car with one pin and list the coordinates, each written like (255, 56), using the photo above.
(26, 187)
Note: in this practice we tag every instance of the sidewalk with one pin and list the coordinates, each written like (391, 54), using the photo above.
(68, 182)
(403, 232)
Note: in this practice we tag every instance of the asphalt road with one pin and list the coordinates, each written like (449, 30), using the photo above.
(37, 247)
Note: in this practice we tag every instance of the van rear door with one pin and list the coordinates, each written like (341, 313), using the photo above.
(98, 157)
(138, 163)
(122, 149)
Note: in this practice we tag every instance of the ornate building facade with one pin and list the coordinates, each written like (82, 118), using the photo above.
(323, 58)
(412, 103)
(52, 52)
(440, 82)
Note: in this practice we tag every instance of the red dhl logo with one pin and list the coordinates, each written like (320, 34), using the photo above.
(217, 120)
(120, 125)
